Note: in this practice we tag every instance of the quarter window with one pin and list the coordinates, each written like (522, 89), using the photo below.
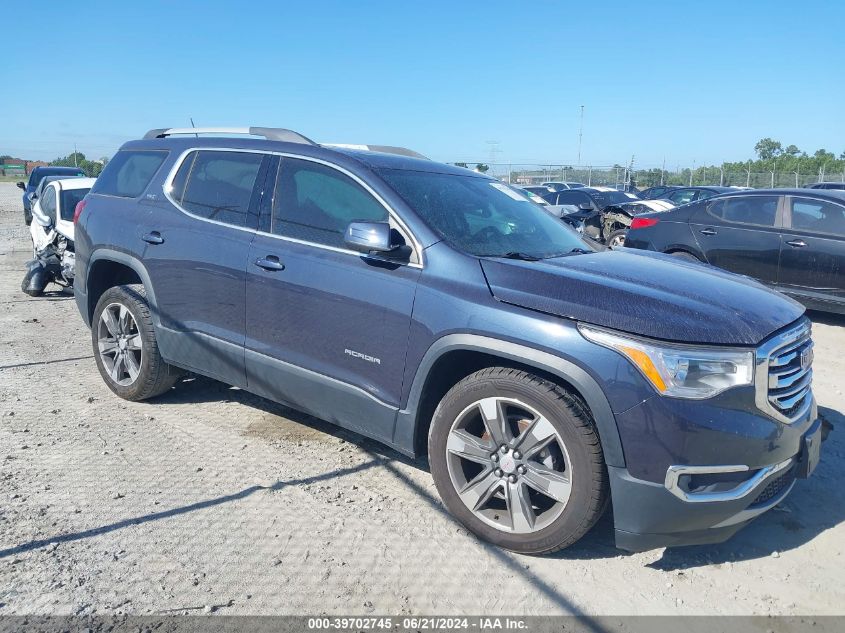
(759, 210)
(316, 203)
(219, 186)
(818, 216)
(128, 173)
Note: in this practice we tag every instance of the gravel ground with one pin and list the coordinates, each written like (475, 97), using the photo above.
(213, 500)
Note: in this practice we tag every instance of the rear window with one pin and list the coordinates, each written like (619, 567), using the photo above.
(129, 173)
(70, 198)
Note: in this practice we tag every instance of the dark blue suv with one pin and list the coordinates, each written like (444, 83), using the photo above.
(441, 313)
(38, 174)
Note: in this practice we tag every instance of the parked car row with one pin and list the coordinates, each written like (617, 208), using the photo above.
(38, 174)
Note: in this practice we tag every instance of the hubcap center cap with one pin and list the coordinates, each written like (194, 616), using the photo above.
(508, 463)
(121, 343)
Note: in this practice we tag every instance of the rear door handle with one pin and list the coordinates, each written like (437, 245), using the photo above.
(708, 231)
(797, 243)
(271, 263)
(153, 237)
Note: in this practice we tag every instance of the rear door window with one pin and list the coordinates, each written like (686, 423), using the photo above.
(129, 172)
(818, 216)
(221, 186)
(757, 210)
(682, 196)
(48, 203)
(572, 198)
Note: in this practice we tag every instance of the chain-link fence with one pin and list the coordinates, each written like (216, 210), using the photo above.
(622, 177)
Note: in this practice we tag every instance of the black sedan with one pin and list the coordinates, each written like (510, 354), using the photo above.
(659, 191)
(790, 239)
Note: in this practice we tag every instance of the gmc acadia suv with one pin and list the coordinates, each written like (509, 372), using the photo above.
(441, 313)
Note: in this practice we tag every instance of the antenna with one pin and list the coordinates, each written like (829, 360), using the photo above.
(192, 125)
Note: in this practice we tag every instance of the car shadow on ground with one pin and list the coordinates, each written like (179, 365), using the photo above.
(828, 318)
(814, 506)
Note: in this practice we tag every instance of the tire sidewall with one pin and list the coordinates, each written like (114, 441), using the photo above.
(549, 404)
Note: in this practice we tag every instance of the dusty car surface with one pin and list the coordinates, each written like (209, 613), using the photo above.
(441, 312)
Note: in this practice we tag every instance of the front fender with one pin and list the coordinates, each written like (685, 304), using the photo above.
(587, 387)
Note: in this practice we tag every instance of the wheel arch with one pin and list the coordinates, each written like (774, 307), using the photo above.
(455, 356)
(108, 268)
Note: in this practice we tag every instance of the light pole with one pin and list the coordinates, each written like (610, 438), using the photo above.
(580, 134)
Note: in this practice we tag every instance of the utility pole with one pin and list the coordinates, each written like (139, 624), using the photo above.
(580, 134)
(74, 156)
(663, 170)
(691, 172)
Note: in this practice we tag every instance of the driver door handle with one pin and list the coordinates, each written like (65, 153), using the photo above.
(270, 262)
(708, 231)
(797, 243)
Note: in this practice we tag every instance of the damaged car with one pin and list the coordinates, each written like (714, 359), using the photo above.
(602, 213)
(52, 234)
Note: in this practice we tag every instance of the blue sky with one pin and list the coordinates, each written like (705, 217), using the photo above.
(681, 81)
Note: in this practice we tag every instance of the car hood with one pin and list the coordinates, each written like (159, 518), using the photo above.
(648, 294)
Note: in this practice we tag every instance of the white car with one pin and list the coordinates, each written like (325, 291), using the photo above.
(52, 234)
(53, 210)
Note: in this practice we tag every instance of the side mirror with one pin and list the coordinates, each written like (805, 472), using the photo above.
(20, 185)
(368, 237)
(585, 206)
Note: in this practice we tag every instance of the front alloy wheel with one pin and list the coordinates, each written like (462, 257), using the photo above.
(509, 465)
(517, 459)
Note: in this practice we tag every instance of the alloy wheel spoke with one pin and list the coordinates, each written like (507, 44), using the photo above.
(495, 421)
(107, 346)
(519, 507)
(476, 493)
(115, 370)
(111, 323)
(539, 434)
(134, 342)
(551, 483)
(132, 366)
(469, 447)
(124, 320)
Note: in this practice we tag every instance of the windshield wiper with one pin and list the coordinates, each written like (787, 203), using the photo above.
(518, 255)
(575, 251)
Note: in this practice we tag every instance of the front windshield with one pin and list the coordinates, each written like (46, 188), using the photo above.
(482, 217)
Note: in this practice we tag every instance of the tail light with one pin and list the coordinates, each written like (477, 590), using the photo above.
(80, 207)
(641, 223)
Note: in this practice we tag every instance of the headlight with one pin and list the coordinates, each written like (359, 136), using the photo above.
(680, 371)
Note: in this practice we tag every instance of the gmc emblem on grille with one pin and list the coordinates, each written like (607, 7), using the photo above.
(806, 358)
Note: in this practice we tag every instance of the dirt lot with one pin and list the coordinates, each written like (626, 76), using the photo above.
(213, 500)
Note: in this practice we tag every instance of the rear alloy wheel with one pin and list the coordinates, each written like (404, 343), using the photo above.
(617, 238)
(125, 346)
(517, 460)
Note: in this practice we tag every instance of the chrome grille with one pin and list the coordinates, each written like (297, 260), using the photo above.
(784, 374)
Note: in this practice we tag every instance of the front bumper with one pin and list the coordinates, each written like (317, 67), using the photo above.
(648, 515)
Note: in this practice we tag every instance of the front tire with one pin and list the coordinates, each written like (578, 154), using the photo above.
(617, 238)
(125, 346)
(518, 461)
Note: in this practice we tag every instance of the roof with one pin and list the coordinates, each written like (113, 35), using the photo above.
(58, 170)
(76, 183)
(372, 159)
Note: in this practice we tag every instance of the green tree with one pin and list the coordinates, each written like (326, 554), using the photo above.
(767, 148)
(792, 150)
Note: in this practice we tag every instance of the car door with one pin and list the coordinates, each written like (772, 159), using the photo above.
(327, 327)
(741, 234)
(812, 259)
(196, 256)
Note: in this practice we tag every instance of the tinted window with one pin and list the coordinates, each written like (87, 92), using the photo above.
(48, 203)
(316, 203)
(129, 173)
(482, 217)
(760, 210)
(571, 197)
(818, 216)
(682, 196)
(605, 198)
(70, 198)
(40, 174)
(218, 185)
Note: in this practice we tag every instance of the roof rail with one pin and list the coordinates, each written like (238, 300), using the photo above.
(385, 149)
(270, 133)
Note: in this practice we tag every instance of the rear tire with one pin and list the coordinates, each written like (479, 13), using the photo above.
(125, 346)
(541, 494)
(617, 238)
